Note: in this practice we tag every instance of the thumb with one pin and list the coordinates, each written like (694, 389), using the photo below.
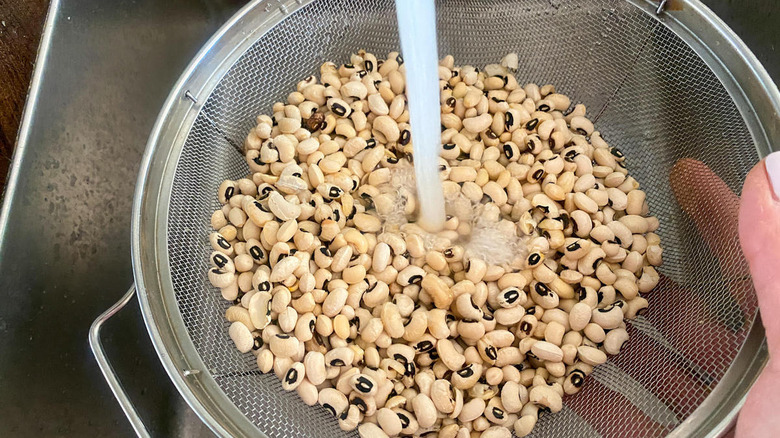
(759, 234)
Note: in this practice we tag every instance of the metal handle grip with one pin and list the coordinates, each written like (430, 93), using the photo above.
(108, 371)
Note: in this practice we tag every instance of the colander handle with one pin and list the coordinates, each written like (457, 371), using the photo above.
(108, 371)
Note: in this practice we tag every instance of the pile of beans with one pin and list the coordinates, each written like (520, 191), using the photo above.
(397, 331)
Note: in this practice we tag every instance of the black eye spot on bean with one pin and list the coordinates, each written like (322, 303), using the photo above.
(362, 74)
(256, 252)
(223, 243)
(399, 59)
(538, 174)
(542, 289)
(404, 420)
(534, 259)
(544, 107)
(330, 409)
(596, 263)
(606, 309)
(582, 131)
(220, 260)
(450, 102)
(490, 352)
(409, 369)
(337, 363)
(406, 137)
(282, 336)
(370, 143)
(577, 378)
(491, 135)
(229, 192)
(434, 355)
(498, 413)
(466, 372)
(570, 155)
(364, 385)
(334, 192)
(487, 317)
(392, 160)
(573, 247)
(564, 217)
(449, 253)
(264, 286)
(291, 376)
(258, 343)
(424, 346)
(258, 161)
(325, 251)
(360, 403)
(511, 296)
(531, 124)
(338, 109)
(376, 83)
(505, 79)
(531, 310)
(414, 279)
(526, 327)
(509, 120)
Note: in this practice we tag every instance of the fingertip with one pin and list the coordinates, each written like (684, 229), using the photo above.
(772, 165)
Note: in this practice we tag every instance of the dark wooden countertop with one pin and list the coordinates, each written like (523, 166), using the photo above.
(21, 23)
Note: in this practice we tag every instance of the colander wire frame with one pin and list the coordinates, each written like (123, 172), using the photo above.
(652, 94)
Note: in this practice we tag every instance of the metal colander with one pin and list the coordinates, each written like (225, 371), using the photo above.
(661, 86)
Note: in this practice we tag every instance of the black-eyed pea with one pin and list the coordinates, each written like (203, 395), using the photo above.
(654, 255)
(410, 275)
(341, 326)
(241, 337)
(635, 200)
(335, 402)
(591, 355)
(544, 396)
(283, 345)
(219, 243)
(449, 356)
(635, 307)
(391, 320)
(569, 353)
(587, 265)
(470, 330)
(608, 317)
(637, 224)
(648, 280)
(424, 410)
(594, 332)
(293, 376)
(582, 223)
(509, 356)
(220, 278)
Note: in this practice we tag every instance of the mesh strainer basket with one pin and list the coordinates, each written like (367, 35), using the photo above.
(664, 85)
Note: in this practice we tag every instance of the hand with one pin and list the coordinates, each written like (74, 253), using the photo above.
(678, 311)
(759, 233)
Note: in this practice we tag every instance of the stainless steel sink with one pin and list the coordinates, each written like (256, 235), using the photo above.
(104, 71)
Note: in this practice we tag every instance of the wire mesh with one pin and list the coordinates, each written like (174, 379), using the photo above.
(655, 99)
